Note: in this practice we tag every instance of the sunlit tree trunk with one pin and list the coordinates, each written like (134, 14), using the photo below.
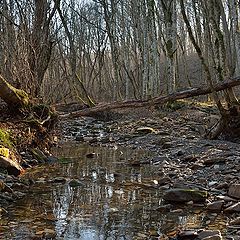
(226, 60)
(110, 19)
(169, 10)
(234, 9)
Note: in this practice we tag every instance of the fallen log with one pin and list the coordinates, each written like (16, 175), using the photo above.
(193, 92)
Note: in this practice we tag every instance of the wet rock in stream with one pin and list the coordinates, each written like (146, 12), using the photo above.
(215, 206)
(199, 235)
(185, 195)
(233, 208)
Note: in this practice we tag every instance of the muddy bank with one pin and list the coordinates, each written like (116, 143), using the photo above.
(23, 145)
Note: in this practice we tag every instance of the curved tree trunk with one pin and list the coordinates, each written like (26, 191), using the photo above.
(39, 115)
(15, 98)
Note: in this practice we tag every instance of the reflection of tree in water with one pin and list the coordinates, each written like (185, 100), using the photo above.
(86, 213)
(61, 201)
(103, 208)
(113, 202)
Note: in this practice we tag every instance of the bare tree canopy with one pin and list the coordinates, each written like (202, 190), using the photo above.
(107, 50)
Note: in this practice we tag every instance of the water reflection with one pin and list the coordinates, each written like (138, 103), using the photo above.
(112, 200)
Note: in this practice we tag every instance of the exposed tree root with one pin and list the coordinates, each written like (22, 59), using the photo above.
(228, 127)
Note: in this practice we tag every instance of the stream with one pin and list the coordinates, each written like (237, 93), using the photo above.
(94, 193)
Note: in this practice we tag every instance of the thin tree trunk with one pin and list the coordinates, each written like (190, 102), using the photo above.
(200, 55)
(73, 58)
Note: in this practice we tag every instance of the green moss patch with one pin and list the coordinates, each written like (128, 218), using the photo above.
(5, 138)
(4, 152)
(63, 160)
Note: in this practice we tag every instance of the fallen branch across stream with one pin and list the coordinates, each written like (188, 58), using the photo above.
(193, 92)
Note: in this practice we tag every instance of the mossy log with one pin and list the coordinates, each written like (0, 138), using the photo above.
(15, 98)
(35, 114)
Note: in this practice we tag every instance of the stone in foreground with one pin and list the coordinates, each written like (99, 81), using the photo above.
(234, 191)
(215, 206)
(11, 166)
(233, 208)
(210, 235)
(185, 195)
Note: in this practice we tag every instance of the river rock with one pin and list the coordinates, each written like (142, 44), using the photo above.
(224, 185)
(187, 235)
(145, 130)
(226, 198)
(212, 161)
(210, 235)
(167, 145)
(59, 180)
(185, 195)
(164, 180)
(234, 191)
(13, 167)
(75, 183)
(164, 208)
(235, 221)
(215, 206)
(91, 155)
(233, 208)
(214, 237)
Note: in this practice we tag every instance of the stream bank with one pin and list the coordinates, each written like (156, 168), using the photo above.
(23, 145)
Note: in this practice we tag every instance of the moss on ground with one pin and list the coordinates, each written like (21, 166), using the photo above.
(5, 138)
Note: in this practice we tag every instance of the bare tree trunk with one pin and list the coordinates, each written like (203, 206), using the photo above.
(73, 58)
(40, 47)
(200, 55)
(169, 10)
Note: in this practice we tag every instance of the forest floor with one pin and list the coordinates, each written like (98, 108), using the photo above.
(174, 134)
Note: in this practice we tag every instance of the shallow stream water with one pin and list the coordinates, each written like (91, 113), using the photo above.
(98, 196)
